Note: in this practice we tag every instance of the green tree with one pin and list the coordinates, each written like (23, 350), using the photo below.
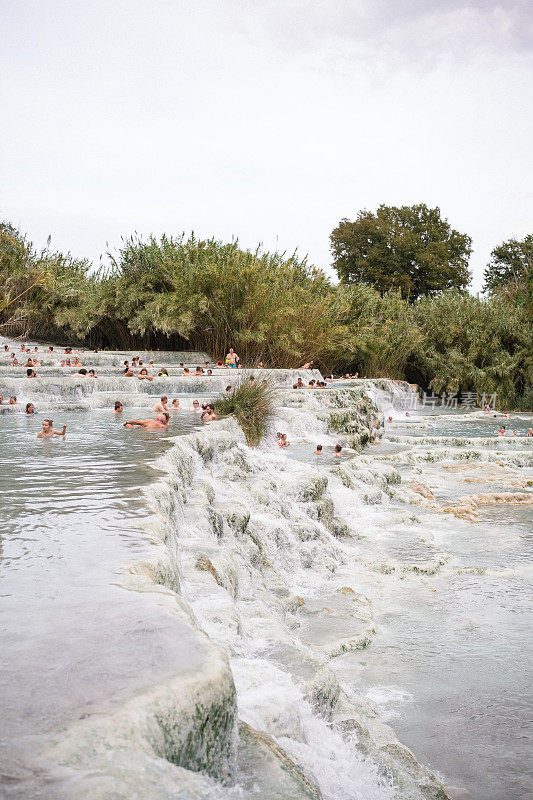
(475, 344)
(408, 248)
(511, 267)
(382, 334)
(38, 289)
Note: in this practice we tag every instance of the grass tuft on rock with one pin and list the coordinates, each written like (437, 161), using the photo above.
(252, 404)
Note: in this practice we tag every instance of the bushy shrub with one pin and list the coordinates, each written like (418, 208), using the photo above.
(252, 404)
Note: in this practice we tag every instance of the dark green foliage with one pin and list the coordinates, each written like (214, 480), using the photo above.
(382, 333)
(510, 268)
(252, 404)
(408, 248)
(212, 296)
(39, 290)
(471, 344)
(180, 293)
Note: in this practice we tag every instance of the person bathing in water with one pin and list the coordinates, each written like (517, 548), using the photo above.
(157, 424)
(144, 376)
(318, 451)
(119, 408)
(338, 451)
(47, 430)
(162, 405)
(209, 414)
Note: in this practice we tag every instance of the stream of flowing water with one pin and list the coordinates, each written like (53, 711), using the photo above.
(329, 613)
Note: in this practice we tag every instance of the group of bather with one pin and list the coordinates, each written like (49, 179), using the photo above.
(502, 431)
(71, 359)
(313, 384)
(284, 442)
(163, 409)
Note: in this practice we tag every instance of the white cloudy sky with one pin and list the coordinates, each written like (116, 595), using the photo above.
(265, 119)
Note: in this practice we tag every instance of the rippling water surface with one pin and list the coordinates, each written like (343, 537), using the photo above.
(450, 667)
(69, 514)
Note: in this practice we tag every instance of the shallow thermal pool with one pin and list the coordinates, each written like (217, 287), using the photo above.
(450, 666)
(70, 511)
(473, 427)
(447, 666)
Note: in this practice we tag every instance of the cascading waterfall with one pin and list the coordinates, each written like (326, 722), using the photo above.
(274, 569)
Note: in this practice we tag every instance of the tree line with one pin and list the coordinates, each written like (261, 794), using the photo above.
(400, 310)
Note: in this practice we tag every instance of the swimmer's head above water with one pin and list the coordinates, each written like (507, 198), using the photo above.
(48, 431)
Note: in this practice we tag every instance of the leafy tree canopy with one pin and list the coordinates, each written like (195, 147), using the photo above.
(179, 292)
(511, 267)
(408, 248)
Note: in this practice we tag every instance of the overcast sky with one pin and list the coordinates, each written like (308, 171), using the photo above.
(269, 120)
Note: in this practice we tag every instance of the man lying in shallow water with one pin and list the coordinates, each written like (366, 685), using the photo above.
(157, 424)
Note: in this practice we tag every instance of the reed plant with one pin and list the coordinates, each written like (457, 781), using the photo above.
(185, 293)
(252, 405)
